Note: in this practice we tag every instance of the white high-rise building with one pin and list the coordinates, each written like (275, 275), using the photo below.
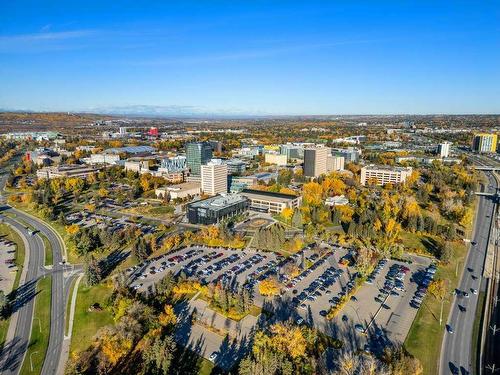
(214, 177)
(443, 149)
(334, 163)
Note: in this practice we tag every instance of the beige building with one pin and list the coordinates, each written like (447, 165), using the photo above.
(334, 163)
(270, 202)
(179, 191)
(81, 171)
(214, 178)
(277, 159)
(383, 174)
(315, 161)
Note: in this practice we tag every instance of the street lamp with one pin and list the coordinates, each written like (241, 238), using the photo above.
(31, 360)
(39, 323)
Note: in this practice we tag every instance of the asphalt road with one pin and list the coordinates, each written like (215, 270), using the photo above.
(456, 350)
(15, 350)
(58, 305)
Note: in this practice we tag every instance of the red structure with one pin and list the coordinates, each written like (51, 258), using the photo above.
(153, 132)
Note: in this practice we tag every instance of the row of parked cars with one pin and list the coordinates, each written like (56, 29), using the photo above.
(318, 287)
(424, 283)
(376, 271)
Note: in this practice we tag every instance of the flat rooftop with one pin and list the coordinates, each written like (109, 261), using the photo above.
(219, 201)
(268, 195)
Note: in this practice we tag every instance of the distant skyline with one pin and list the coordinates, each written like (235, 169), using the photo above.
(251, 58)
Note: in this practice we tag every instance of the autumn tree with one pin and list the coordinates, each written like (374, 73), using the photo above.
(269, 287)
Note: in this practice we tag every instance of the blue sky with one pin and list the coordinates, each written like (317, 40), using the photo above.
(253, 57)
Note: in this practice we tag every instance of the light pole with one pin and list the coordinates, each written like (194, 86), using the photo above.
(456, 268)
(39, 323)
(31, 360)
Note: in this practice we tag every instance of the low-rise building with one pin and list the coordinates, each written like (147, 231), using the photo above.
(338, 200)
(267, 201)
(180, 191)
(382, 174)
(103, 158)
(81, 171)
(214, 209)
(278, 159)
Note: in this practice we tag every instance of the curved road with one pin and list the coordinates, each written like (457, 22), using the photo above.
(12, 356)
(456, 350)
(14, 351)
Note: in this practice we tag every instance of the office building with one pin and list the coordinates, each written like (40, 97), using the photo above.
(236, 167)
(198, 154)
(315, 159)
(443, 149)
(292, 151)
(214, 178)
(334, 163)
(350, 154)
(382, 174)
(214, 209)
(484, 143)
(266, 201)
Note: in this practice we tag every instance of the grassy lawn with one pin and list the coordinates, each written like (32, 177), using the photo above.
(40, 329)
(48, 250)
(159, 211)
(206, 367)
(425, 336)
(422, 244)
(476, 331)
(87, 323)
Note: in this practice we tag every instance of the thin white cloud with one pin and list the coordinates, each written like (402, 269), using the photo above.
(250, 54)
(61, 35)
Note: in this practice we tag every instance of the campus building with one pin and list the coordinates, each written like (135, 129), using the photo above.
(213, 210)
(382, 174)
(315, 159)
(198, 154)
(267, 201)
(179, 191)
(278, 159)
(484, 143)
(214, 178)
(443, 149)
(81, 171)
(334, 163)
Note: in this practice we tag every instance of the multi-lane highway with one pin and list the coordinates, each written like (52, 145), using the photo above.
(14, 350)
(456, 351)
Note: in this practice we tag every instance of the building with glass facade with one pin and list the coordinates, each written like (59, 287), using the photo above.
(198, 154)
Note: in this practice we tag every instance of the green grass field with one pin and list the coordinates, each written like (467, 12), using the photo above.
(87, 323)
(425, 336)
(48, 250)
(40, 329)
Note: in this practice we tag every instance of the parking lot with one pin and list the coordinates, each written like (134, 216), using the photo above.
(8, 267)
(234, 267)
(378, 313)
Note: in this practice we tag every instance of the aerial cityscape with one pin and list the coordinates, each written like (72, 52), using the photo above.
(252, 188)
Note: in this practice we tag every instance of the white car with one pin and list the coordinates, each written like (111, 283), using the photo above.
(474, 291)
(213, 356)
